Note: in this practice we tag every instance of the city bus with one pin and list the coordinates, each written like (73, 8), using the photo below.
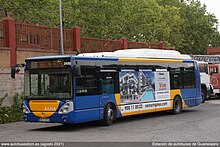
(106, 86)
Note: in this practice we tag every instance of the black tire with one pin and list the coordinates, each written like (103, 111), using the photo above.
(67, 125)
(177, 105)
(218, 95)
(204, 95)
(109, 114)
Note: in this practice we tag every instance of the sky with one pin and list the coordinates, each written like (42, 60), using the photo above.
(213, 6)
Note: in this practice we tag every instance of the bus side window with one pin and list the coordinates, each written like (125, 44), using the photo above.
(109, 83)
(203, 68)
(176, 78)
(188, 78)
(87, 82)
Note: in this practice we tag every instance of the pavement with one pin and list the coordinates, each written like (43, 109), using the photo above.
(197, 124)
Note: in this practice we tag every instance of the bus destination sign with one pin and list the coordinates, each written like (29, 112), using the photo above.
(49, 64)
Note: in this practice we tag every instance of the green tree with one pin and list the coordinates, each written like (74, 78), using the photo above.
(31, 11)
(199, 29)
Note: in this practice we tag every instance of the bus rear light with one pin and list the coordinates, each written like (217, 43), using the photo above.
(25, 109)
(66, 108)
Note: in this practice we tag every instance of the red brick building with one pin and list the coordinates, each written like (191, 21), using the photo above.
(213, 51)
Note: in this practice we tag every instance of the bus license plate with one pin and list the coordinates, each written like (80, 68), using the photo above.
(44, 119)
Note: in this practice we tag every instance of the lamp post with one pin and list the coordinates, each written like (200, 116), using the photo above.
(61, 28)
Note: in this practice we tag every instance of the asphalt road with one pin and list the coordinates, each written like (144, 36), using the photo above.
(200, 123)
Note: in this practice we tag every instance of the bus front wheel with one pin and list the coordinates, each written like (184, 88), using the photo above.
(109, 114)
(177, 105)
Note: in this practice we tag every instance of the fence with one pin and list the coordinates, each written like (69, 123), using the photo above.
(33, 36)
(145, 45)
(1, 33)
(89, 45)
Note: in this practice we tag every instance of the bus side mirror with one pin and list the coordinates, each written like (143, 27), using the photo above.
(13, 71)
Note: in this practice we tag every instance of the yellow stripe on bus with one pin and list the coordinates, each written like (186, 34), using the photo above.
(130, 113)
(147, 111)
(44, 105)
(147, 60)
(164, 109)
(44, 108)
(138, 112)
(118, 99)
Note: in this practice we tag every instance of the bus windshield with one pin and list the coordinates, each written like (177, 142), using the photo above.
(50, 84)
(203, 68)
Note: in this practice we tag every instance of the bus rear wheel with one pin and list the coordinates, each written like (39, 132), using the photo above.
(204, 95)
(177, 105)
(109, 114)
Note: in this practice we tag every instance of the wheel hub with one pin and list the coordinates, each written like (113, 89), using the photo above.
(110, 114)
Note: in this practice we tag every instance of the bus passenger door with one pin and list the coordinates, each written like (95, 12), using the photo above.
(109, 87)
(87, 99)
(188, 90)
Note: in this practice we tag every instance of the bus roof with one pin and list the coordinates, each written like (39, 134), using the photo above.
(109, 59)
(48, 57)
(129, 55)
(139, 53)
(69, 56)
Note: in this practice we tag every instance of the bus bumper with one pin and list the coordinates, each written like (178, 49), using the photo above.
(55, 118)
(72, 117)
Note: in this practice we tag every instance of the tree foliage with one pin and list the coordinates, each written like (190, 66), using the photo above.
(183, 24)
(13, 113)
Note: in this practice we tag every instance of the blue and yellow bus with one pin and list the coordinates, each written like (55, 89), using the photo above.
(74, 89)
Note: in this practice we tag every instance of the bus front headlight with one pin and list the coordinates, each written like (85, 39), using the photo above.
(66, 108)
(25, 109)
